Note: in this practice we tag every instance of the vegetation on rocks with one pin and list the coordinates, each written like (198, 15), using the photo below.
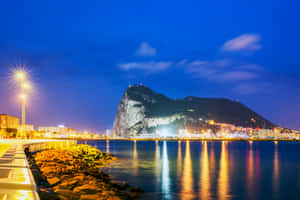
(74, 173)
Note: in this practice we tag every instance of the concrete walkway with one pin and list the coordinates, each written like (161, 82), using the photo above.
(16, 180)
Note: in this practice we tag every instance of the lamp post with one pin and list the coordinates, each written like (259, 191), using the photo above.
(23, 97)
(21, 77)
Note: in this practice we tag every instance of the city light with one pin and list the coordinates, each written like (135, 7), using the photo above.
(164, 132)
(25, 86)
(211, 122)
(23, 96)
(20, 75)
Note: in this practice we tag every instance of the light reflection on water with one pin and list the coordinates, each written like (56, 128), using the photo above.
(165, 173)
(157, 161)
(135, 158)
(107, 146)
(250, 170)
(187, 175)
(276, 170)
(223, 186)
(204, 181)
(157, 165)
(179, 159)
(207, 170)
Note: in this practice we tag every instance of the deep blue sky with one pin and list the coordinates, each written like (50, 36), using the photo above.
(82, 55)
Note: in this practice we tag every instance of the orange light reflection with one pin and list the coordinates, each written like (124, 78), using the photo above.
(187, 176)
(179, 160)
(223, 184)
(135, 158)
(276, 169)
(204, 181)
(250, 169)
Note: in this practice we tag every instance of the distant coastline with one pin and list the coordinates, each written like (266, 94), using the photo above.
(183, 139)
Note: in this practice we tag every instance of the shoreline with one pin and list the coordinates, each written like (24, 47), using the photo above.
(182, 139)
(76, 174)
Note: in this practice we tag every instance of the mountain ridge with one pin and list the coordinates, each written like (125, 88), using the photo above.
(141, 109)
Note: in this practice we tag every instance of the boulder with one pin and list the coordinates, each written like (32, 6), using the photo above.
(86, 189)
(53, 181)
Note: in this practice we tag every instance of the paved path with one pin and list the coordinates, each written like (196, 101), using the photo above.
(16, 180)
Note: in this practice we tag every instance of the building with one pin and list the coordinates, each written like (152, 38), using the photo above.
(27, 127)
(53, 129)
(57, 131)
(267, 133)
(8, 121)
(50, 129)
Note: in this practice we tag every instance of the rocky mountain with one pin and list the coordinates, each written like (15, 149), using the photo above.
(142, 110)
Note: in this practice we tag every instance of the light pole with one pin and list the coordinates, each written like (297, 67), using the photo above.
(23, 97)
(21, 77)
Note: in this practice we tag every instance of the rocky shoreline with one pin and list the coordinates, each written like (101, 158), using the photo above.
(73, 173)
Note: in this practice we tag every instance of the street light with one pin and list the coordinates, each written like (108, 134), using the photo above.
(25, 86)
(22, 96)
(20, 76)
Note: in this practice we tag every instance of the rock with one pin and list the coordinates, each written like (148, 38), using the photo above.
(48, 196)
(53, 181)
(79, 177)
(89, 197)
(74, 174)
(65, 194)
(143, 111)
(86, 189)
(70, 183)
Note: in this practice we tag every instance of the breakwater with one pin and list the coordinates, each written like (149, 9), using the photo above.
(73, 173)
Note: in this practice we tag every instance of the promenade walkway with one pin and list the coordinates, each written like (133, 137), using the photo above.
(16, 180)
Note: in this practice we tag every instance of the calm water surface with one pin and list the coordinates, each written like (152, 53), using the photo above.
(207, 170)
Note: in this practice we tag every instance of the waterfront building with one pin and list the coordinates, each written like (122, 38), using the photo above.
(26, 127)
(267, 133)
(8, 121)
(53, 129)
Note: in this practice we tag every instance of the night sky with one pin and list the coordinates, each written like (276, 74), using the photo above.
(82, 55)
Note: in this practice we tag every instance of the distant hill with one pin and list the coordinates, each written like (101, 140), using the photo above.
(141, 110)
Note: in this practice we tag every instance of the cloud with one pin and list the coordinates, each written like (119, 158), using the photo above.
(234, 72)
(250, 67)
(145, 50)
(198, 63)
(243, 79)
(236, 76)
(246, 42)
(201, 69)
(246, 89)
(222, 71)
(252, 88)
(149, 67)
(182, 62)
